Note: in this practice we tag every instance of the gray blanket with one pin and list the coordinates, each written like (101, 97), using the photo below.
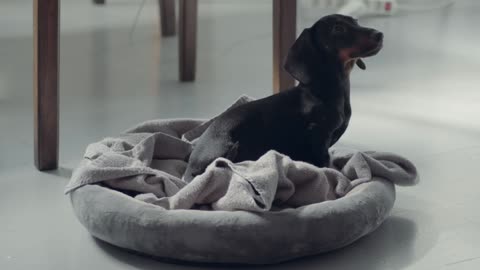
(151, 158)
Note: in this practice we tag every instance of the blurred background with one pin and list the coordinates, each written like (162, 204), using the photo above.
(419, 97)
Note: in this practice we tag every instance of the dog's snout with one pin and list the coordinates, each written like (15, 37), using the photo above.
(377, 36)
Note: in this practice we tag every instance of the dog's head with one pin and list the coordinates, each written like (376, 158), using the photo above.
(333, 38)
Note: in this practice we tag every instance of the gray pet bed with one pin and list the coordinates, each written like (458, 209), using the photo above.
(256, 212)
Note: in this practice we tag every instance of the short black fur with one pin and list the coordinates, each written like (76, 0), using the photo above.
(301, 122)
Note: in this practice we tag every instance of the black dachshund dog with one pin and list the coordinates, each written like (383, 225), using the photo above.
(304, 121)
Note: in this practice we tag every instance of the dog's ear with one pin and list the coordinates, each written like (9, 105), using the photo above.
(300, 61)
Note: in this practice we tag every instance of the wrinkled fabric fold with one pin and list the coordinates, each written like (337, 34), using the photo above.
(150, 159)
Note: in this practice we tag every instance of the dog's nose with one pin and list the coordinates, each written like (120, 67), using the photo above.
(377, 36)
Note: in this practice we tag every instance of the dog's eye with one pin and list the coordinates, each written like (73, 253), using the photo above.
(339, 29)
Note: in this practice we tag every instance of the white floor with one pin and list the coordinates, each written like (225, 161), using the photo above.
(418, 98)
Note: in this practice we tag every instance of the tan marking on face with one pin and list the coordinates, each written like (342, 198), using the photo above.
(346, 59)
(344, 54)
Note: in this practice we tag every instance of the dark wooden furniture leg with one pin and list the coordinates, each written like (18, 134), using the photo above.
(187, 45)
(284, 35)
(167, 17)
(45, 83)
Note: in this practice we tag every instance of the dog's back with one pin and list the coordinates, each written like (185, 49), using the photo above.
(250, 130)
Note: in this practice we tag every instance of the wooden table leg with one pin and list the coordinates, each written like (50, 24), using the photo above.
(284, 35)
(45, 83)
(167, 17)
(187, 45)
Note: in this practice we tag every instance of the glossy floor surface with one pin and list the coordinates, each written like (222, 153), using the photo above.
(419, 97)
